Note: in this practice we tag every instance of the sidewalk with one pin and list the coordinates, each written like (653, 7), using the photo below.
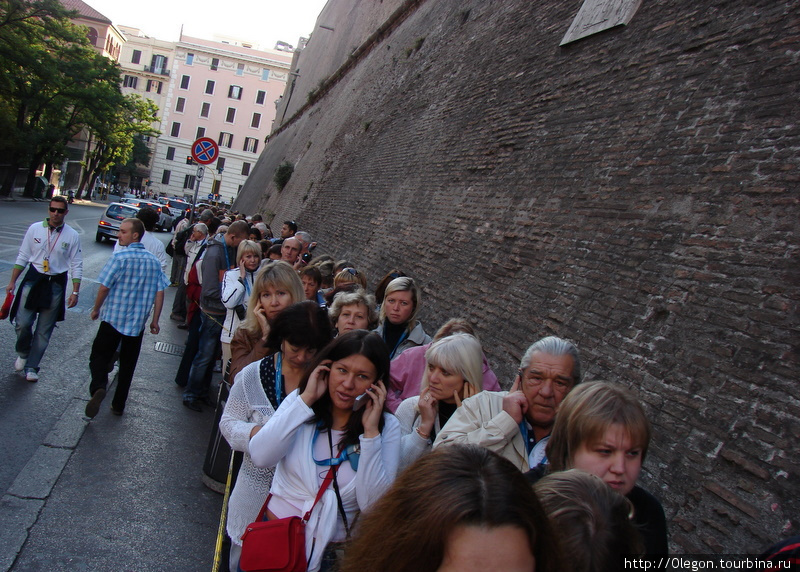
(118, 493)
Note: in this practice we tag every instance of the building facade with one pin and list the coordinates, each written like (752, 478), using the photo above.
(222, 91)
(145, 64)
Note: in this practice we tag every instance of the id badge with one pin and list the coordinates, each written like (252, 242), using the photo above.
(46, 265)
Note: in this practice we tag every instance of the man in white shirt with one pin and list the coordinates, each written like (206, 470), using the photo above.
(149, 218)
(50, 250)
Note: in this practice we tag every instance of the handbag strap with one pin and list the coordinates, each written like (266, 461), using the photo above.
(325, 484)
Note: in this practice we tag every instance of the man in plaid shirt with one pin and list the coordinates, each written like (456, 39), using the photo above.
(131, 283)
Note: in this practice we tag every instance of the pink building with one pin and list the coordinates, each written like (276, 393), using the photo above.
(225, 92)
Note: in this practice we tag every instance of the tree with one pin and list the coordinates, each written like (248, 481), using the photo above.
(52, 84)
(114, 132)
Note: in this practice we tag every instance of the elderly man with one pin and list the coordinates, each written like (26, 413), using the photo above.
(131, 283)
(220, 256)
(50, 250)
(290, 250)
(517, 424)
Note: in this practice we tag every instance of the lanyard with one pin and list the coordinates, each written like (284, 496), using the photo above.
(400, 341)
(523, 428)
(278, 377)
(351, 453)
(49, 250)
(247, 284)
(227, 256)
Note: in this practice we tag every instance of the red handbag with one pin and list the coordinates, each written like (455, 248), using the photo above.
(278, 545)
(6, 306)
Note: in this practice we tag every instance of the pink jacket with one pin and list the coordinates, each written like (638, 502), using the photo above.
(406, 376)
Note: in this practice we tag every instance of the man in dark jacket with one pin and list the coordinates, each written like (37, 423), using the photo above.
(220, 256)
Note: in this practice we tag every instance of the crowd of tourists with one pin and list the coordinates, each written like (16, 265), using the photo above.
(367, 444)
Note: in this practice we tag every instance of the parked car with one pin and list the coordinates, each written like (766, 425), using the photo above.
(165, 217)
(108, 226)
(177, 206)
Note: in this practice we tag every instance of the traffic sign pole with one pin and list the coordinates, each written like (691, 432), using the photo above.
(204, 151)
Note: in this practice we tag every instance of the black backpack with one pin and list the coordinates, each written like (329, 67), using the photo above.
(181, 238)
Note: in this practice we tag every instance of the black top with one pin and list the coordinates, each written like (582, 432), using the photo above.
(648, 515)
(266, 370)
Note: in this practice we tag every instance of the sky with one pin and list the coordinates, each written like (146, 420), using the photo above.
(262, 22)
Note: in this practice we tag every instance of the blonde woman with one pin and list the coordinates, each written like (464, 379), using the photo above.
(276, 286)
(454, 372)
(398, 325)
(237, 285)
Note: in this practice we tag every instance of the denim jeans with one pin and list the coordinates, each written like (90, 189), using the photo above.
(31, 344)
(207, 351)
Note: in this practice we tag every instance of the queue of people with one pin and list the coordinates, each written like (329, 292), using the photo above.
(345, 408)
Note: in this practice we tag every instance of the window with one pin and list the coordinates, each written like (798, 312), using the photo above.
(210, 87)
(250, 144)
(154, 85)
(170, 154)
(205, 110)
(176, 129)
(188, 181)
(239, 69)
(180, 104)
(214, 64)
(185, 82)
(189, 59)
(165, 177)
(256, 122)
(136, 57)
(245, 169)
(92, 34)
(265, 74)
(225, 139)
(260, 97)
(130, 81)
(220, 164)
(235, 92)
(158, 64)
(230, 117)
(201, 132)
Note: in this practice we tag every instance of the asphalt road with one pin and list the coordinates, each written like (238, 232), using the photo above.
(114, 493)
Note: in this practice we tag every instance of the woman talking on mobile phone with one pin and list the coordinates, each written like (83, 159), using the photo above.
(322, 426)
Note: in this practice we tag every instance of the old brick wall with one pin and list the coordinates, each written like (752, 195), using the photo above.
(636, 192)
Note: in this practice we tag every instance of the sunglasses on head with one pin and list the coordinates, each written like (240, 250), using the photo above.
(352, 271)
(57, 210)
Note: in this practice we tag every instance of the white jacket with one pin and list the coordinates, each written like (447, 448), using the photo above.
(286, 440)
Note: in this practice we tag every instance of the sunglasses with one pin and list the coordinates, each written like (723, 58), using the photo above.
(57, 210)
(352, 271)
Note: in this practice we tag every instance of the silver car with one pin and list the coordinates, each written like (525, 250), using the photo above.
(108, 225)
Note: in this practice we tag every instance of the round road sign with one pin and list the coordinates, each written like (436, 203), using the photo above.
(205, 151)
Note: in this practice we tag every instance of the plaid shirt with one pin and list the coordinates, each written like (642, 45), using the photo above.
(133, 276)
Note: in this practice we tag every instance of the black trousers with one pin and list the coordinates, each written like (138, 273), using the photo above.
(103, 348)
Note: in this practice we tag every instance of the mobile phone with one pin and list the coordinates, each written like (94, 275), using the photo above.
(360, 401)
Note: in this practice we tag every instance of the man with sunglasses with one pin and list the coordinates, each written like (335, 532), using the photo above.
(50, 250)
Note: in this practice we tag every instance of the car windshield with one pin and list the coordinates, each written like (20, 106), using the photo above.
(121, 212)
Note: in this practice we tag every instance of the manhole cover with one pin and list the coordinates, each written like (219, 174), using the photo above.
(172, 349)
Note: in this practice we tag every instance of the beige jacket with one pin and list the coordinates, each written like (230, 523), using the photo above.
(481, 421)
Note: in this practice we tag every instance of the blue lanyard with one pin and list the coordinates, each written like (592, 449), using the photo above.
(246, 285)
(400, 341)
(227, 256)
(523, 428)
(351, 453)
(278, 377)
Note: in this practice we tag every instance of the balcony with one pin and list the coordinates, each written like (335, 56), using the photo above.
(156, 70)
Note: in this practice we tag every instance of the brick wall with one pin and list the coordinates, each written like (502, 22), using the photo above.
(635, 192)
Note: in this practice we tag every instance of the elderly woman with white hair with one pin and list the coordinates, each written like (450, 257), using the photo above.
(454, 372)
(398, 325)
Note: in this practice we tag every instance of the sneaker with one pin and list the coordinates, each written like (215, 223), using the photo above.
(20, 362)
(93, 406)
(32, 375)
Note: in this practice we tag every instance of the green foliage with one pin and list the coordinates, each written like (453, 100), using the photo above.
(282, 174)
(53, 84)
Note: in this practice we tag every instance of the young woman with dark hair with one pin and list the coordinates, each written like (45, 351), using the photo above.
(460, 508)
(316, 428)
(298, 333)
